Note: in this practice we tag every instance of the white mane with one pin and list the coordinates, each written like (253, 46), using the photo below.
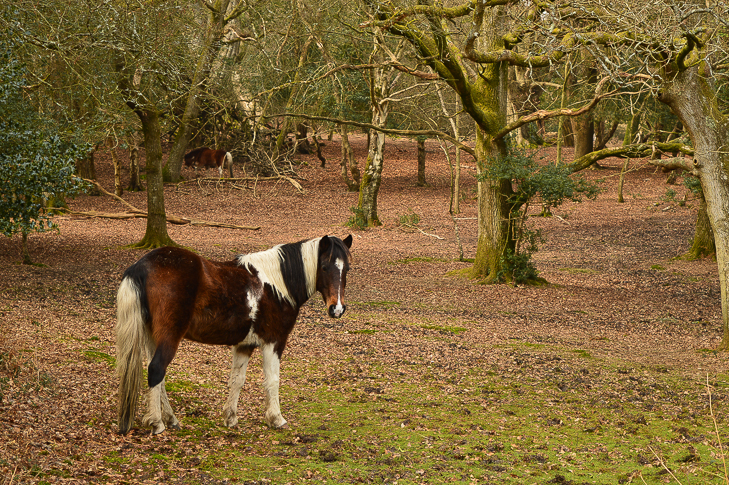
(268, 265)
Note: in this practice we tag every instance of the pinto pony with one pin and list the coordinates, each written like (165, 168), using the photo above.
(172, 294)
(208, 158)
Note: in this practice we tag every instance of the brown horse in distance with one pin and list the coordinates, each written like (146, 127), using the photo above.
(208, 158)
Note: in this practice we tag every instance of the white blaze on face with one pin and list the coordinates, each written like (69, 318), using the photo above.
(339, 308)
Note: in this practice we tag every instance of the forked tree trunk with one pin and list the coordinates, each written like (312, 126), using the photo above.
(211, 46)
(494, 237)
(692, 96)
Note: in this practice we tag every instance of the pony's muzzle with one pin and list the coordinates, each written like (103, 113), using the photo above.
(336, 311)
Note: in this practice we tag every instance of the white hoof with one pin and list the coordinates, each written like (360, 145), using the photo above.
(230, 419)
(276, 421)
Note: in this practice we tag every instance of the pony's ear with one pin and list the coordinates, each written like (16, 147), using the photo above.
(348, 241)
(325, 244)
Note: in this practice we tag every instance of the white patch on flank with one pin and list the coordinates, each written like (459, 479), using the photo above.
(253, 296)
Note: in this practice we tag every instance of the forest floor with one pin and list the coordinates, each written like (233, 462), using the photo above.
(605, 375)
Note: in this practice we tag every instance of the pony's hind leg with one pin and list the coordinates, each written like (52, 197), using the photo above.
(271, 370)
(241, 355)
(159, 412)
(153, 417)
(168, 416)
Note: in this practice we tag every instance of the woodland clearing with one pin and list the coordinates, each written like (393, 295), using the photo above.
(605, 375)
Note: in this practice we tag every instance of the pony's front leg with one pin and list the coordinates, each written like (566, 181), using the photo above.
(271, 370)
(241, 355)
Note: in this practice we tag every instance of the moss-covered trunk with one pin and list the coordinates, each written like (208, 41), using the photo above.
(692, 96)
(490, 95)
(494, 236)
(371, 179)
(703, 242)
(380, 84)
(156, 233)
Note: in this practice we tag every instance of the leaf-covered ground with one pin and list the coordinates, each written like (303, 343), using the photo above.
(607, 375)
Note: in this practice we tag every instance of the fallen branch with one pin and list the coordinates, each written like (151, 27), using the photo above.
(421, 231)
(293, 182)
(134, 213)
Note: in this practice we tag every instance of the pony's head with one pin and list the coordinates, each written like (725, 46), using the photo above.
(331, 273)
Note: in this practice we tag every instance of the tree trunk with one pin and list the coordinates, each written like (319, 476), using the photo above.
(490, 92)
(632, 127)
(372, 177)
(86, 169)
(156, 234)
(118, 189)
(211, 47)
(294, 93)
(349, 163)
(583, 126)
(583, 129)
(421, 162)
(494, 236)
(692, 96)
(380, 83)
(24, 249)
(703, 242)
(602, 137)
(134, 184)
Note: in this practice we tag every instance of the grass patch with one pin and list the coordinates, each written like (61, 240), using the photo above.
(658, 267)
(98, 356)
(582, 353)
(384, 304)
(181, 385)
(495, 427)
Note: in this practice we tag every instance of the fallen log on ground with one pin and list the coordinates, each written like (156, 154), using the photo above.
(133, 213)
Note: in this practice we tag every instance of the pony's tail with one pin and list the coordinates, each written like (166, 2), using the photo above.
(130, 341)
(229, 162)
